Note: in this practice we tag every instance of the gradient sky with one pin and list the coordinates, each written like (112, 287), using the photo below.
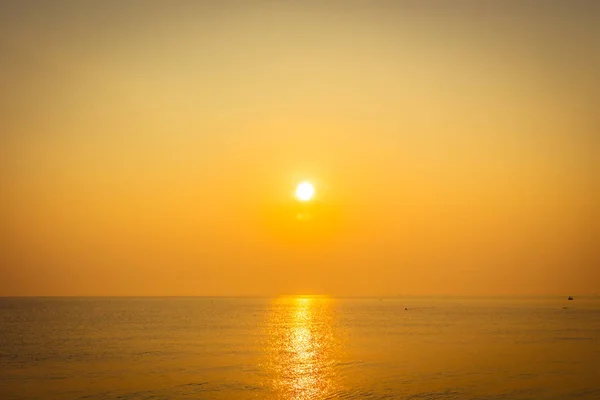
(152, 148)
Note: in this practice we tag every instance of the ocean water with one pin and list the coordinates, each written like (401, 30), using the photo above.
(299, 348)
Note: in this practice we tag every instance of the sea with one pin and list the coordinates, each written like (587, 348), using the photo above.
(299, 347)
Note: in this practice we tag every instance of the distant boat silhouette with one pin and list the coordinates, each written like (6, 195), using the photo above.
(570, 298)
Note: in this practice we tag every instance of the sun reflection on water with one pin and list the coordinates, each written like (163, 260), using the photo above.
(302, 348)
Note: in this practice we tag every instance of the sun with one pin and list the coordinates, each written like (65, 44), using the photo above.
(305, 191)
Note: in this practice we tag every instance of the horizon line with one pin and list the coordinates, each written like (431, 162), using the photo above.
(312, 295)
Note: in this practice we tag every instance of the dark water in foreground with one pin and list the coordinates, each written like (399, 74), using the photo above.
(299, 348)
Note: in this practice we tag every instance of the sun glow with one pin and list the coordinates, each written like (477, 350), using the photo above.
(305, 191)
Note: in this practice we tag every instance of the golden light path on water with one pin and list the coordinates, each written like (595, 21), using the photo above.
(302, 348)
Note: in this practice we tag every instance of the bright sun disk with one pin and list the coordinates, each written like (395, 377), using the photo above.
(305, 191)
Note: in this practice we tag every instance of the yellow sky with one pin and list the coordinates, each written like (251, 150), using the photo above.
(154, 149)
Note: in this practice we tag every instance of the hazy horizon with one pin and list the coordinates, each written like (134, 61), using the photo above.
(154, 148)
(332, 297)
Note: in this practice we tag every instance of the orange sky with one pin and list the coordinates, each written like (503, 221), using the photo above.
(153, 149)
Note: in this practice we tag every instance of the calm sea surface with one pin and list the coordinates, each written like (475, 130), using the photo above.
(299, 348)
